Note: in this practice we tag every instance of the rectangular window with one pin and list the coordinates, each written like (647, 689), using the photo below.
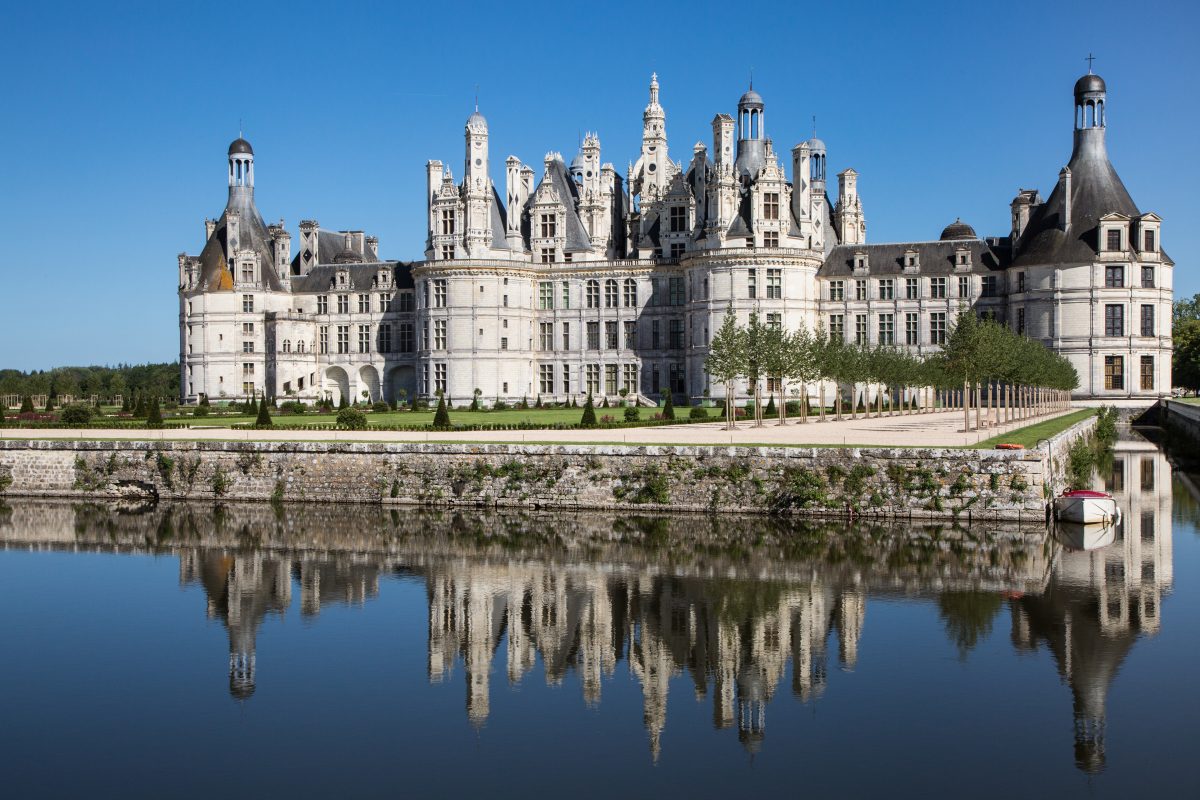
(549, 224)
(964, 286)
(678, 378)
(610, 293)
(439, 293)
(887, 289)
(364, 304)
(655, 335)
(678, 219)
(774, 284)
(1114, 320)
(770, 238)
(247, 329)
(247, 347)
(837, 290)
(770, 205)
(912, 288)
(566, 295)
(248, 388)
(405, 338)
(1147, 277)
(1147, 320)
(937, 328)
(1148, 241)
(566, 373)
(447, 222)
(1021, 321)
(1147, 367)
(566, 328)
(837, 327)
(439, 377)
(860, 290)
(860, 328)
(248, 368)
(439, 334)
(343, 338)
(548, 256)
(343, 306)
(678, 291)
(629, 378)
(1114, 276)
(364, 338)
(546, 378)
(937, 288)
(322, 304)
(547, 335)
(1113, 239)
(630, 335)
(425, 335)
(989, 286)
(248, 303)
(323, 339)
(630, 293)
(546, 295)
(610, 379)
(593, 378)
(385, 338)
(385, 303)
(447, 252)
(676, 334)
(610, 335)
(1114, 372)
(752, 283)
(406, 302)
(1020, 282)
(887, 329)
(247, 273)
(912, 329)
(593, 336)
(774, 321)
(503, 342)
(593, 294)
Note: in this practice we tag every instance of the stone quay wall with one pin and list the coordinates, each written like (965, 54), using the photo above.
(1185, 416)
(873, 482)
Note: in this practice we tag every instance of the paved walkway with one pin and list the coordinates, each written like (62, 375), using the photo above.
(940, 429)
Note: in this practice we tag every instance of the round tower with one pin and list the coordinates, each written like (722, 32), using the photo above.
(751, 133)
(241, 166)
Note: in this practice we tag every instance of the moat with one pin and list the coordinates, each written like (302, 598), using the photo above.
(313, 650)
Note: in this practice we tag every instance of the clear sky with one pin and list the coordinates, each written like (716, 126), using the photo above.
(117, 118)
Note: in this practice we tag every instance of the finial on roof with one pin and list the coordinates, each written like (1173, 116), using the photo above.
(814, 134)
(752, 77)
(1090, 58)
(477, 97)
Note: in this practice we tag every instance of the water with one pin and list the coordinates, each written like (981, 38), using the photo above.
(251, 650)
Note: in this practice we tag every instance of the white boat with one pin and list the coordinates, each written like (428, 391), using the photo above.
(1077, 536)
(1085, 506)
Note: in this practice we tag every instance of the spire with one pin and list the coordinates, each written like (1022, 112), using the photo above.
(1090, 58)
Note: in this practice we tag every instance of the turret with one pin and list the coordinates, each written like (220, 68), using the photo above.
(848, 214)
(653, 169)
(241, 169)
(476, 186)
(751, 135)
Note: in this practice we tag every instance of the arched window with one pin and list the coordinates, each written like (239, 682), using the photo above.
(630, 293)
(593, 294)
(287, 345)
(300, 346)
(610, 293)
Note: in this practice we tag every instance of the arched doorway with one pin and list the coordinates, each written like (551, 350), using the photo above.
(401, 384)
(368, 379)
(337, 385)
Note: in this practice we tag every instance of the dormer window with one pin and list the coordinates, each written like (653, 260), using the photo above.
(912, 261)
(1112, 241)
(678, 219)
(549, 226)
(861, 262)
(962, 259)
(1148, 241)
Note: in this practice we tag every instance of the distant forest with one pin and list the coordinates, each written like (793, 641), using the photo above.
(158, 380)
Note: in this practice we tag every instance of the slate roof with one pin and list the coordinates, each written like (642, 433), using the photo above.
(214, 266)
(934, 258)
(362, 276)
(577, 239)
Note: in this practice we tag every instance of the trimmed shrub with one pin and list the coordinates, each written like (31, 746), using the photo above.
(201, 410)
(27, 405)
(293, 407)
(441, 417)
(698, 413)
(499, 405)
(380, 407)
(76, 414)
(770, 410)
(668, 411)
(632, 413)
(154, 417)
(589, 412)
(263, 419)
(792, 408)
(352, 419)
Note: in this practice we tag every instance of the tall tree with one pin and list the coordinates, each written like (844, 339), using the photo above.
(756, 354)
(1185, 362)
(726, 356)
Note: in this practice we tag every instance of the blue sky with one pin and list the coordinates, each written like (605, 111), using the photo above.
(117, 119)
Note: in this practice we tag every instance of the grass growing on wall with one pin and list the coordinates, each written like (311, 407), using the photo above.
(1030, 435)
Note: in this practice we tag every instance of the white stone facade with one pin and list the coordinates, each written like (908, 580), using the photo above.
(585, 280)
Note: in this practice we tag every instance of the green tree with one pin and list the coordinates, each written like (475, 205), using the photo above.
(968, 617)
(441, 417)
(1185, 362)
(26, 405)
(154, 418)
(589, 412)
(1186, 309)
(756, 356)
(264, 415)
(352, 419)
(781, 355)
(668, 411)
(725, 358)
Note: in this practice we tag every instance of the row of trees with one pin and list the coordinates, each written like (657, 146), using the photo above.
(983, 365)
(157, 380)
(1185, 362)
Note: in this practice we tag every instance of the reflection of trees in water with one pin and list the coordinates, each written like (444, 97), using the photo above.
(968, 617)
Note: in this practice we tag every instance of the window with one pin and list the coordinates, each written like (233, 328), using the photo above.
(752, 283)
(504, 301)
(774, 284)
(1147, 277)
(323, 339)
(912, 288)
(546, 295)
(989, 286)
(610, 378)
(860, 290)
(1114, 277)
(447, 252)
(887, 289)
(837, 328)
(593, 336)
(610, 293)
(1147, 373)
(630, 293)
(1114, 372)
(837, 290)
(439, 293)
(343, 338)
(610, 335)
(912, 329)
(770, 238)
(547, 335)
(630, 335)
(247, 347)
(1021, 321)
(566, 373)
(247, 304)
(678, 218)
(385, 303)
(1147, 320)
(937, 288)
(566, 328)
(439, 378)
(322, 304)
(887, 329)
(1114, 320)
(548, 256)
(549, 224)
(676, 334)
(937, 328)
(385, 338)
(655, 338)
(629, 378)
(404, 338)
(364, 338)
(1148, 241)
(406, 302)
(593, 294)
(593, 378)
(447, 222)
(439, 334)
(964, 286)
(425, 378)
(678, 291)
(248, 368)
(364, 304)
(1113, 239)
(774, 321)
(771, 205)
(1020, 281)
(247, 329)
(343, 306)
(287, 345)
(425, 335)
(247, 273)
(546, 378)
(860, 328)
(248, 388)
(678, 378)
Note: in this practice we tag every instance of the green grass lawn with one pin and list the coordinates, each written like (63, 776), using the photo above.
(1030, 435)
(1195, 401)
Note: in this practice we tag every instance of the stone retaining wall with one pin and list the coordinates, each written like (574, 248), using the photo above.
(897, 482)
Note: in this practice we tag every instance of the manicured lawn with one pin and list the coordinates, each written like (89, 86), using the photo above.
(1195, 401)
(1030, 435)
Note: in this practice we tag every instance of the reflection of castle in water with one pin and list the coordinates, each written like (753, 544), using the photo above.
(244, 588)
